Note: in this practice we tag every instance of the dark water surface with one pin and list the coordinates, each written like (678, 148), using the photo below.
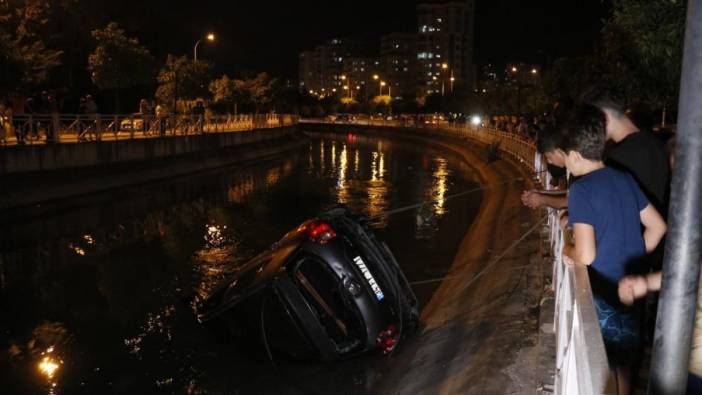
(97, 292)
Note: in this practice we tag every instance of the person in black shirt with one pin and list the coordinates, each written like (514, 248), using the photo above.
(633, 150)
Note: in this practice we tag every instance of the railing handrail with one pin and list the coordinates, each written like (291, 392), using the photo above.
(581, 360)
(40, 128)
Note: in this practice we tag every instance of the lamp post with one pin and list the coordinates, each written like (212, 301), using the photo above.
(209, 37)
(444, 66)
(347, 85)
(515, 72)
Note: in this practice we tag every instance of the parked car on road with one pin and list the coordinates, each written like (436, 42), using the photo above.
(329, 289)
(135, 122)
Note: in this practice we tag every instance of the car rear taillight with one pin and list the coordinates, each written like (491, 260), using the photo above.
(320, 232)
(387, 339)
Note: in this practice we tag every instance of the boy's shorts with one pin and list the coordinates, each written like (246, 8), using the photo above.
(621, 331)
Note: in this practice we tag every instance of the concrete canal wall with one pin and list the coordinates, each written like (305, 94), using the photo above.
(31, 175)
(33, 158)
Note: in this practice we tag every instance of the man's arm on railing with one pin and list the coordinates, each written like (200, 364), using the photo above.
(535, 199)
(584, 250)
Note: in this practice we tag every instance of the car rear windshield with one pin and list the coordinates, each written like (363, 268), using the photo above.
(336, 311)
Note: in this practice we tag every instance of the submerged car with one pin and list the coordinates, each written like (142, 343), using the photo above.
(329, 289)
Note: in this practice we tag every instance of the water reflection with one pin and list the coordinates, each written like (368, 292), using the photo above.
(378, 189)
(49, 366)
(342, 188)
(439, 186)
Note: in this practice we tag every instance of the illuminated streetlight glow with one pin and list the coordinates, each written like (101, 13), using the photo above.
(444, 66)
(382, 83)
(475, 120)
(376, 76)
(343, 77)
(514, 69)
(209, 37)
(534, 71)
(453, 79)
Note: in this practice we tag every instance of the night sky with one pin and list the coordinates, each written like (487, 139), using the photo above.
(267, 36)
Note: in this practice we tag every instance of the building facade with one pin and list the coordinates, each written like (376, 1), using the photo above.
(320, 70)
(437, 59)
(445, 46)
(398, 53)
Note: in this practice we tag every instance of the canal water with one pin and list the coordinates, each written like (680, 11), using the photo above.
(97, 293)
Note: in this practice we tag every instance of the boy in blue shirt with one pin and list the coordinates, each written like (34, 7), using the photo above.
(607, 210)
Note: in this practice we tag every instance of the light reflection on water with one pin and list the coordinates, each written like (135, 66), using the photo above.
(151, 267)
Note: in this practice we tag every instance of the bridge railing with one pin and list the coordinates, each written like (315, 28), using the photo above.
(75, 128)
(581, 360)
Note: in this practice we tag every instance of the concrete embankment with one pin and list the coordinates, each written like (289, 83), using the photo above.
(35, 174)
(479, 337)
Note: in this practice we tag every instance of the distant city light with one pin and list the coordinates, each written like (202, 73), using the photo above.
(211, 36)
(534, 71)
(476, 120)
(514, 69)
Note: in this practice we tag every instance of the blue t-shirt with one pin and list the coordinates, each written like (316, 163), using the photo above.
(611, 202)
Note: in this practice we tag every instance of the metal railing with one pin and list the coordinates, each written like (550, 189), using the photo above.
(581, 360)
(77, 128)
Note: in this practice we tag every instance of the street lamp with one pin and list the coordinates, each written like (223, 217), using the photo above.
(209, 37)
(445, 66)
(382, 84)
(347, 86)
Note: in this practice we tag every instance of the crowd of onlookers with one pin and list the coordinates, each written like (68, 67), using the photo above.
(522, 126)
(615, 201)
(43, 111)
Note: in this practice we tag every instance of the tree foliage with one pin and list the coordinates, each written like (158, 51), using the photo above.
(639, 54)
(119, 62)
(648, 35)
(25, 59)
(182, 76)
(227, 93)
(252, 93)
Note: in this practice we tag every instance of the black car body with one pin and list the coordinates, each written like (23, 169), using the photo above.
(327, 290)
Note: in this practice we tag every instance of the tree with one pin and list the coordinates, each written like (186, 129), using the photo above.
(227, 93)
(25, 60)
(644, 39)
(183, 79)
(254, 93)
(260, 90)
(119, 62)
